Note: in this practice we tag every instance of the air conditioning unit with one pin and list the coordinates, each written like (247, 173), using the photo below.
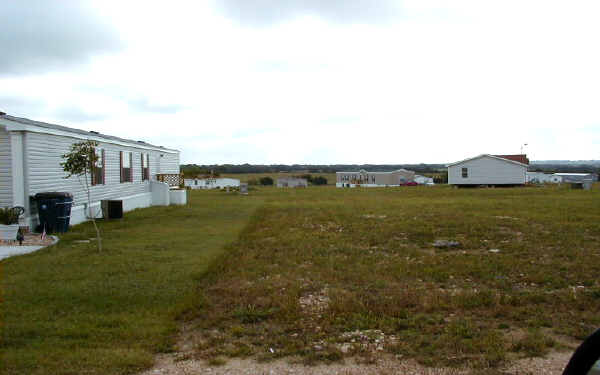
(112, 209)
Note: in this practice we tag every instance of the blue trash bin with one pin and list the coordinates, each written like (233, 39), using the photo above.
(54, 211)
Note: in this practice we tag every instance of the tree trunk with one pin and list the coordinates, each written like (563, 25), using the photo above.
(92, 216)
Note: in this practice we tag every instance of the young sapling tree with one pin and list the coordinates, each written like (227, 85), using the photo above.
(80, 162)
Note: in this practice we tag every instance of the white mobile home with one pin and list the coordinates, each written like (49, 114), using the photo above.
(487, 170)
(424, 180)
(374, 179)
(211, 183)
(576, 177)
(542, 178)
(30, 157)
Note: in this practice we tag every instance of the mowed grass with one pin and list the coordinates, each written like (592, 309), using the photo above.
(323, 274)
(68, 309)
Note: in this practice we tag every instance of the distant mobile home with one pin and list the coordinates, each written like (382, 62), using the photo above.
(127, 170)
(488, 169)
(577, 177)
(374, 179)
(292, 182)
(542, 178)
(424, 180)
(211, 183)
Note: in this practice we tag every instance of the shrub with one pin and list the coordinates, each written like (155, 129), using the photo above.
(320, 180)
(266, 181)
(9, 216)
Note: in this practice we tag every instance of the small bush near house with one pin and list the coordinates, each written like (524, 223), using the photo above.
(8, 216)
(320, 180)
(266, 181)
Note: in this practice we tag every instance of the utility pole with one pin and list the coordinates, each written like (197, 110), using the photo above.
(523, 145)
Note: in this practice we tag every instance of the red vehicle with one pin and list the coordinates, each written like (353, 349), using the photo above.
(411, 183)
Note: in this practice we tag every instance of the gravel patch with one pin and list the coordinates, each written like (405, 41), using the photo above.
(553, 364)
(171, 364)
(166, 366)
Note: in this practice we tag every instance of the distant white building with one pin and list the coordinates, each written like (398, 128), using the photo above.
(577, 177)
(423, 180)
(291, 182)
(542, 178)
(374, 179)
(211, 183)
(488, 170)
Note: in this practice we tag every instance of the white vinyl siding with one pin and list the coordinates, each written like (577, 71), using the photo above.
(169, 164)
(45, 152)
(5, 169)
(487, 170)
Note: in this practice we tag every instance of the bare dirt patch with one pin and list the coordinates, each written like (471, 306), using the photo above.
(553, 364)
(168, 364)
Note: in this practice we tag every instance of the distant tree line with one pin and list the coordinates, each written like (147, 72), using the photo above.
(195, 169)
(565, 168)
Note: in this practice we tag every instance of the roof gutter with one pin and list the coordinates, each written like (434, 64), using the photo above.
(16, 126)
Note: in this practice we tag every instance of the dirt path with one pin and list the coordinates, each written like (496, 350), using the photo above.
(167, 364)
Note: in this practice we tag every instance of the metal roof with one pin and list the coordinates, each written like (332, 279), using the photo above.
(572, 174)
(49, 126)
(490, 156)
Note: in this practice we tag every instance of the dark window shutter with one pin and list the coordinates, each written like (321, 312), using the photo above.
(121, 164)
(131, 167)
(93, 170)
(103, 168)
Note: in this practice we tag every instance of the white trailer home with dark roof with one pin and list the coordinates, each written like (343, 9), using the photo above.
(487, 170)
(127, 170)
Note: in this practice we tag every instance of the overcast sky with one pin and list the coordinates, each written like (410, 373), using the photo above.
(313, 81)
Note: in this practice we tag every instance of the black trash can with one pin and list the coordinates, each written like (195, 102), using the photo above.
(54, 211)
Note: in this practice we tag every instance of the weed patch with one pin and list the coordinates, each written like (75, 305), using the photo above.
(315, 265)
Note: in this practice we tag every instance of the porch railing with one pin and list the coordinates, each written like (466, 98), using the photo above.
(170, 178)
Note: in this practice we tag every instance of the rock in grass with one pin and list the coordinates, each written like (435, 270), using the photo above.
(445, 244)
(494, 250)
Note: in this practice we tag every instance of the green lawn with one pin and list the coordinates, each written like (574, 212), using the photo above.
(70, 310)
(297, 272)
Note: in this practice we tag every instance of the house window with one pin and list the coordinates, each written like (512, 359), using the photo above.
(465, 172)
(126, 175)
(98, 167)
(145, 167)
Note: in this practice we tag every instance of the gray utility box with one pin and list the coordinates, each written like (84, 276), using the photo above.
(112, 209)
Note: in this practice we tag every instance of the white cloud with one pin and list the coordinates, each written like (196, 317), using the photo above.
(40, 36)
(443, 81)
